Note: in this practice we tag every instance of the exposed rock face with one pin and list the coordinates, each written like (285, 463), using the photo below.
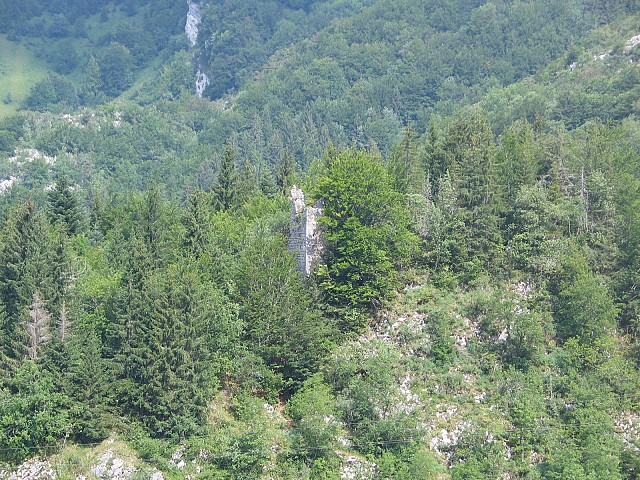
(194, 17)
(113, 468)
(34, 469)
(356, 468)
(201, 83)
(305, 238)
(632, 43)
(7, 184)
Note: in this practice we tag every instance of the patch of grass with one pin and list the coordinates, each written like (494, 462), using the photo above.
(19, 71)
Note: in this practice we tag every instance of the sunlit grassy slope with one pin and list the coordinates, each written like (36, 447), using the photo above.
(19, 70)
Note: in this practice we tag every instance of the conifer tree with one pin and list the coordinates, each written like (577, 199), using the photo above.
(86, 381)
(284, 172)
(196, 221)
(91, 86)
(166, 363)
(37, 327)
(434, 161)
(26, 264)
(63, 206)
(247, 184)
(225, 190)
(403, 166)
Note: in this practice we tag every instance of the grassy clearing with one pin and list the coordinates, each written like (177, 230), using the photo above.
(19, 71)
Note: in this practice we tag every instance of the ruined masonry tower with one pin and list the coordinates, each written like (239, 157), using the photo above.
(305, 239)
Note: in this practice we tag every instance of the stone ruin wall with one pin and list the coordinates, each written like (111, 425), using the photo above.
(305, 238)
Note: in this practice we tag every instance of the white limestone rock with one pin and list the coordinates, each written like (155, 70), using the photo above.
(202, 81)
(110, 467)
(355, 468)
(632, 43)
(33, 469)
(194, 17)
(7, 184)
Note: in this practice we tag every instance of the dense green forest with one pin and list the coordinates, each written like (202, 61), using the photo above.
(474, 310)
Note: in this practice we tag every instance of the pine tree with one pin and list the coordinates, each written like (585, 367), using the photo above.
(282, 325)
(402, 165)
(434, 161)
(26, 264)
(247, 184)
(197, 222)
(91, 86)
(225, 190)
(284, 172)
(469, 147)
(86, 381)
(165, 357)
(63, 206)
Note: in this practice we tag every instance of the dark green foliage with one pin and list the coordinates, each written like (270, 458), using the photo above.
(403, 165)
(166, 358)
(28, 263)
(62, 56)
(11, 129)
(116, 65)
(282, 325)
(91, 85)
(285, 172)
(225, 190)
(492, 250)
(54, 93)
(87, 383)
(63, 206)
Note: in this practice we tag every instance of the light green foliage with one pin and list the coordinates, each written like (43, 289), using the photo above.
(176, 78)
(366, 231)
(476, 313)
(586, 310)
(314, 415)
(31, 413)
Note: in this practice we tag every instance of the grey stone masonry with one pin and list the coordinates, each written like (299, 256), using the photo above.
(305, 238)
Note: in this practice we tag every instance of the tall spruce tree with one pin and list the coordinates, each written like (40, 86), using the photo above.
(285, 172)
(63, 206)
(225, 189)
(26, 265)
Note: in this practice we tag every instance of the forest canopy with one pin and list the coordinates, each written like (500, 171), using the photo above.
(472, 312)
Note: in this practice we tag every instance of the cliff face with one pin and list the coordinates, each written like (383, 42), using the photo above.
(194, 17)
(191, 29)
(305, 238)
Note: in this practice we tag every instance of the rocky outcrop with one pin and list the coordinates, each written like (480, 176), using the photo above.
(7, 184)
(194, 17)
(305, 238)
(191, 29)
(357, 468)
(34, 469)
(202, 80)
